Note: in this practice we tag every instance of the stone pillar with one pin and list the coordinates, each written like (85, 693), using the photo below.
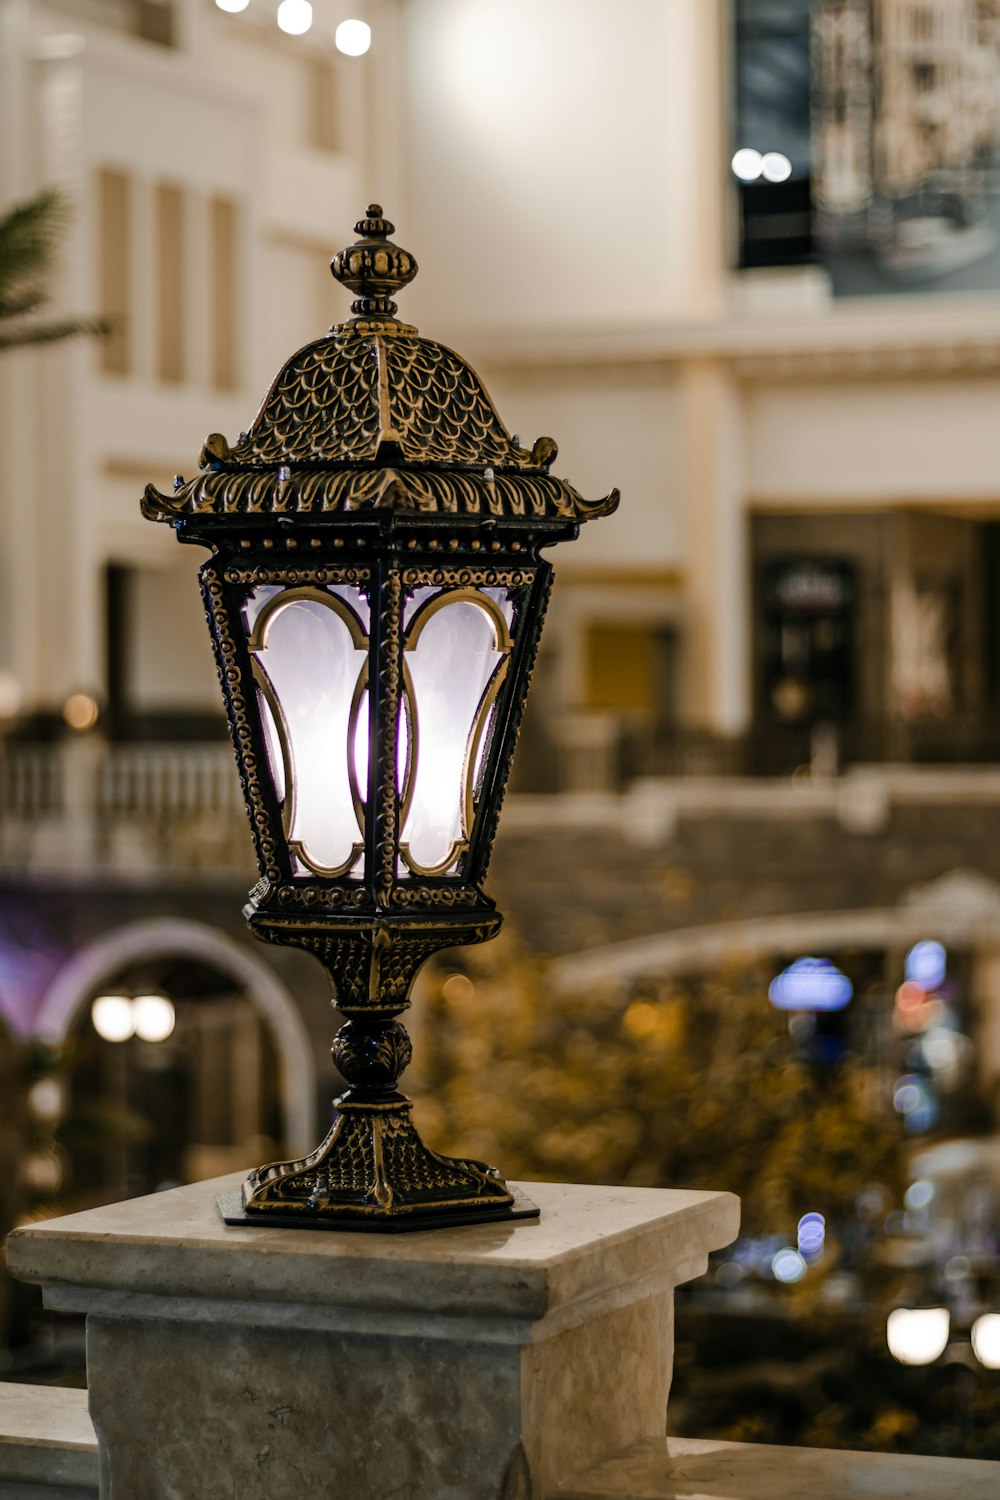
(716, 686)
(490, 1362)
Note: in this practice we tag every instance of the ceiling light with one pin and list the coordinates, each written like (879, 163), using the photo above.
(154, 1017)
(775, 167)
(353, 38)
(747, 164)
(113, 1017)
(295, 16)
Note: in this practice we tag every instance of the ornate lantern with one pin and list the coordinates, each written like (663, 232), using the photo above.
(375, 596)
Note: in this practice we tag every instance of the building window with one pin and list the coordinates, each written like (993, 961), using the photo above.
(225, 292)
(923, 77)
(171, 279)
(114, 209)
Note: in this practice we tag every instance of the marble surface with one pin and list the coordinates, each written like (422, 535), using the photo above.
(686, 1469)
(47, 1442)
(483, 1363)
(593, 1248)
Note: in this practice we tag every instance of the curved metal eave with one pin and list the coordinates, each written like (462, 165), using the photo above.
(231, 494)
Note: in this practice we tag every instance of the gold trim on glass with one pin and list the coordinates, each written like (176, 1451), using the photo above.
(267, 691)
(504, 645)
(257, 642)
(479, 724)
(360, 802)
(408, 707)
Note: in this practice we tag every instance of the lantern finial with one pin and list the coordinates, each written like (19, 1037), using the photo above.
(374, 267)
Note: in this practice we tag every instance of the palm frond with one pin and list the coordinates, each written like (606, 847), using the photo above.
(18, 304)
(50, 333)
(29, 237)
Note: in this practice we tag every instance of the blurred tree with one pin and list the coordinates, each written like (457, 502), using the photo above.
(674, 1085)
(30, 233)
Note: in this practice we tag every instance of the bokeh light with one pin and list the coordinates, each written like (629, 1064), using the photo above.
(81, 711)
(747, 164)
(353, 38)
(113, 1018)
(926, 964)
(918, 1336)
(295, 17)
(788, 1266)
(811, 984)
(775, 167)
(458, 988)
(919, 1194)
(153, 1016)
(986, 1340)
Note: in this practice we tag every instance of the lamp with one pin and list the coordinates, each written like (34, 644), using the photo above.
(375, 598)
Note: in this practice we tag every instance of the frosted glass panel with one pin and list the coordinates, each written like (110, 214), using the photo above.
(313, 651)
(451, 662)
(273, 742)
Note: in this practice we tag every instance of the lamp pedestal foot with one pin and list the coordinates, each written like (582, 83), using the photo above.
(373, 1171)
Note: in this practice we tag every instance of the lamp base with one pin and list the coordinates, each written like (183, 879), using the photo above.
(230, 1206)
(374, 1172)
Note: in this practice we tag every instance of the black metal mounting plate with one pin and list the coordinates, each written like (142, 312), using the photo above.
(231, 1208)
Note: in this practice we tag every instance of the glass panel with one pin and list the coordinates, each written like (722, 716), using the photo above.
(254, 603)
(413, 603)
(314, 651)
(273, 742)
(454, 648)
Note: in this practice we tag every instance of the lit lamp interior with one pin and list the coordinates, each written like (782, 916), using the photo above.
(310, 650)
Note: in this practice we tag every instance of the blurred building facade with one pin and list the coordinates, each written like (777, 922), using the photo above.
(811, 490)
(802, 573)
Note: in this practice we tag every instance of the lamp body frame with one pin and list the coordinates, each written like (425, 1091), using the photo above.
(373, 929)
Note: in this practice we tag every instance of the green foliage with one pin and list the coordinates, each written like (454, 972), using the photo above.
(30, 234)
(672, 1086)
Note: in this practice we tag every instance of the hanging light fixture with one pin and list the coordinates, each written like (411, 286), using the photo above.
(375, 596)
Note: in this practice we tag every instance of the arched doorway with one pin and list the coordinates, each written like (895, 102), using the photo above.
(239, 1069)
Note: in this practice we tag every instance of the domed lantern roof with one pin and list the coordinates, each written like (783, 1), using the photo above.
(374, 417)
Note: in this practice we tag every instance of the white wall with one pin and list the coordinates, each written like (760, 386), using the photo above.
(560, 160)
(874, 442)
(613, 430)
(170, 654)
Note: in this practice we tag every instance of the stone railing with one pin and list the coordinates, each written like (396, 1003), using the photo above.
(84, 803)
(179, 806)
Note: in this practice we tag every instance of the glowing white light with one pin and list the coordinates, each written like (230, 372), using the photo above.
(747, 164)
(927, 964)
(788, 1266)
(775, 167)
(113, 1017)
(919, 1194)
(353, 38)
(232, 7)
(153, 1016)
(986, 1340)
(295, 17)
(917, 1336)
